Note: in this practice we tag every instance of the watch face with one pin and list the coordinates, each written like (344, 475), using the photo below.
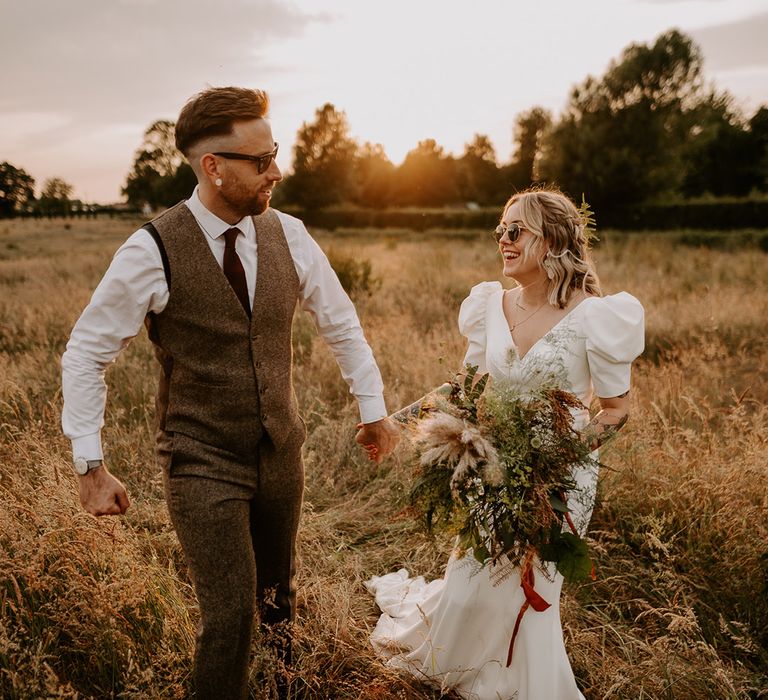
(81, 465)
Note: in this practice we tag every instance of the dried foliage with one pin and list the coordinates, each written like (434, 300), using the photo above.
(495, 465)
(103, 608)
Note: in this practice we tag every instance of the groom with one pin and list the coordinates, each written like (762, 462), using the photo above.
(216, 280)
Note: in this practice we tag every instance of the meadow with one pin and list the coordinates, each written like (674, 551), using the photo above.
(679, 609)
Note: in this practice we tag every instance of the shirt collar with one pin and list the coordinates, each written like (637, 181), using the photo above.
(212, 225)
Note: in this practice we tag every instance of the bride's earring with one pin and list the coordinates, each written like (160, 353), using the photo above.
(219, 182)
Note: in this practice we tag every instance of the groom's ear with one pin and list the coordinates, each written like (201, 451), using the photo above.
(209, 166)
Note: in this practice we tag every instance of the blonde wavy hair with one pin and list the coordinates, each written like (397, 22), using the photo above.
(556, 223)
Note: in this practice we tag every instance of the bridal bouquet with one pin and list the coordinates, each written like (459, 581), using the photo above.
(494, 469)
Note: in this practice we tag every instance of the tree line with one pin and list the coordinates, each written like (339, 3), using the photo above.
(648, 130)
(17, 195)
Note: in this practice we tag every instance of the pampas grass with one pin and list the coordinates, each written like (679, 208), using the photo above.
(446, 439)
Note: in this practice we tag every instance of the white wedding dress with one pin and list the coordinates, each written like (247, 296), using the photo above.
(455, 632)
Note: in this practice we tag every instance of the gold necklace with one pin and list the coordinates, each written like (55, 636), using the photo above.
(522, 289)
(515, 325)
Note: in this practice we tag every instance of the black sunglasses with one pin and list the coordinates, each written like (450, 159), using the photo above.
(262, 162)
(513, 232)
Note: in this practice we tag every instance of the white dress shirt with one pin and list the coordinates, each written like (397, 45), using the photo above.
(135, 284)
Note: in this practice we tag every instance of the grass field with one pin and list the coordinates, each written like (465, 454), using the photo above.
(103, 608)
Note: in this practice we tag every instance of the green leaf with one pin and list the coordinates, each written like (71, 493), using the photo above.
(575, 564)
(471, 372)
(480, 386)
(587, 217)
(481, 553)
(570, 554)
(557, 503)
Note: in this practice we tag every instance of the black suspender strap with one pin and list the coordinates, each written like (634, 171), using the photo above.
(152, 231)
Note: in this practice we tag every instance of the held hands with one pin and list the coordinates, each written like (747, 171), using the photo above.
(379, 438)
(102, 494)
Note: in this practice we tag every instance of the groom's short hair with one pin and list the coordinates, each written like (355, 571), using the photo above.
(214, 111)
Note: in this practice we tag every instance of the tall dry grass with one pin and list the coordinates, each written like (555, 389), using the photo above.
(103, 608)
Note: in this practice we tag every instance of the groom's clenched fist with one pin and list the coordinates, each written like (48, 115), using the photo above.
(102, 494)
(378, 438)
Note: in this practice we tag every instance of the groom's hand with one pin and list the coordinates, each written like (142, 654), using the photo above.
(378, 438)
(102, 494)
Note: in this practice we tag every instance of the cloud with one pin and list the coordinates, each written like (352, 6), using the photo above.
(735, 44)
(114, 60)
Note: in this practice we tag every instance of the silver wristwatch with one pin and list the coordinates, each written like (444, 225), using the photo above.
(83, 466)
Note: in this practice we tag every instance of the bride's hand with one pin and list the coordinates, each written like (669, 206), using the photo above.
(378, 438)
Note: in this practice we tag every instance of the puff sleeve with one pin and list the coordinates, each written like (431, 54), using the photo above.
(615, 336)
(472, 323)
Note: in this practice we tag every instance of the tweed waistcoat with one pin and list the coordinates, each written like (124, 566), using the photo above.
(224, 378)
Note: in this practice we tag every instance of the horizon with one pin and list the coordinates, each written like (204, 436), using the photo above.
(56, 127)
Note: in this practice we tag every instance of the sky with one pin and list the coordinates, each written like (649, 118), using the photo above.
(83, 79)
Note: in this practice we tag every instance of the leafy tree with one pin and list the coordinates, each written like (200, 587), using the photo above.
(159, 148)
(480, 149)
(478, 172)
(758, 127)
(375, 175)
(160, 177)
(17, 190)
(323, 161)
(178, 186)
(55, 197)
(427, 177)
(722, 156)
(529, 131)
(56, 188)
(620, 138)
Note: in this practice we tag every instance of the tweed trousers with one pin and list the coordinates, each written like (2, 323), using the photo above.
(236, 521)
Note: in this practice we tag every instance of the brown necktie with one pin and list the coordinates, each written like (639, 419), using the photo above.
(233, 269)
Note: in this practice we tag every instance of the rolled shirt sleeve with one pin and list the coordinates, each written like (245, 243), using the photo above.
(133, 285)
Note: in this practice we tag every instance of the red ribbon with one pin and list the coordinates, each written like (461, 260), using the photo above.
(532, 599)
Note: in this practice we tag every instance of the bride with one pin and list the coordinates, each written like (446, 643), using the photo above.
(455, 632)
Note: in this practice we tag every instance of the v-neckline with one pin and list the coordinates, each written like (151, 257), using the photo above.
(540, 338)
